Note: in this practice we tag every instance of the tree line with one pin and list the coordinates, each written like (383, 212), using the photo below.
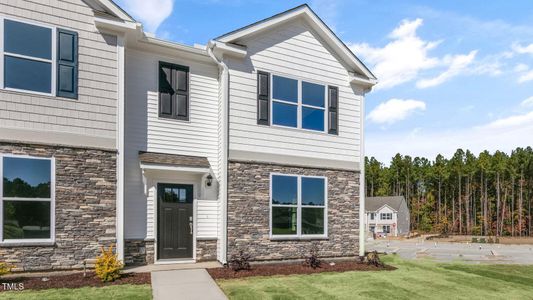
(487, 194)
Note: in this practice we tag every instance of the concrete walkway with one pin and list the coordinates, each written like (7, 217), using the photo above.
(185, 285)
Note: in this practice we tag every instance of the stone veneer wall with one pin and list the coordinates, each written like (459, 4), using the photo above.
(139, 252)
(249, 212)
(206, 250)
(85, 203)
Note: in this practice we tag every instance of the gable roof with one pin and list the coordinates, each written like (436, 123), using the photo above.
(375, 203)
(318, 25)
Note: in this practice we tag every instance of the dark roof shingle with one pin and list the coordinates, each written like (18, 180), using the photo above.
(173, 159)
(375, 203)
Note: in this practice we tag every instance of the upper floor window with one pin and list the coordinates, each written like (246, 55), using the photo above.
(173, 91)
(38, 59)
(386, 216)
(296, 103)
(298, 205)
(27, 199)
(372, 216)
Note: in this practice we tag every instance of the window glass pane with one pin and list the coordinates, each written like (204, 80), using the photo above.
(284, 220)
(285, 89)
(313, 119)
(312, 220)
(26, 178)
(312, 191)
(284, 189)
(26, 219)
(284, 114)
(27, 39)
(27, 74)
(313, 94)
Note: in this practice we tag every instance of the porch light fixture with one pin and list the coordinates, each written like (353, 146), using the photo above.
(209, 180)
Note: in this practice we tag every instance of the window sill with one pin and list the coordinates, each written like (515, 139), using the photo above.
(298, 238)
(26, 244)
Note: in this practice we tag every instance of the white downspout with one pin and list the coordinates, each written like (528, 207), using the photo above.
(224, 167)
(120, 148)
(362, 182)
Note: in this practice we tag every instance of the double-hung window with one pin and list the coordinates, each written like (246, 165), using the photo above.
(27, 199)
(298, 104)
(298, 206)
(38, 58)
(386, 216)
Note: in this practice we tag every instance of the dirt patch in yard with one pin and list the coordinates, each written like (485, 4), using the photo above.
(294, 268)
(72, 281)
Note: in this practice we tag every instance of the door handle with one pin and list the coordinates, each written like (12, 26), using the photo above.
(190, 227)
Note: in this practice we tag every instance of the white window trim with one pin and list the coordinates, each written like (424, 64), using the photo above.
(50, 240)
(53, 60)
(299, 104)
(299, 206)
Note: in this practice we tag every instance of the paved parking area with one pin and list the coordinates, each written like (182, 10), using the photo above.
(447, 252)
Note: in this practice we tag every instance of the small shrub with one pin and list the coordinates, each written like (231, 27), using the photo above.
(474, 240)
(372, 258)
(312, 259)
(490, 240)
(482, 240)
(497, 241)
(240, 261)
(108, 266)
(5, 268)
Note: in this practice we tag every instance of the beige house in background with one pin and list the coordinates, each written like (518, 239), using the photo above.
(387, 216)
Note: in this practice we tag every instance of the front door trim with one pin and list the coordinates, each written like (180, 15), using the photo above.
(158, 260)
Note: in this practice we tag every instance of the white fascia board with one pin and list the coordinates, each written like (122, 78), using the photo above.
(172, 45)
(108, 24)
(362, 81)
(174, 168)
(220, 48)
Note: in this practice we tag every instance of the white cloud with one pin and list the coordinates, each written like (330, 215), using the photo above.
(527, 76)
(406, 56)
(402, 59)
(458, 64)
(395, 110)
(523, 49)
(503, 134)
(150, 12)
(528, 102)
(521, 68)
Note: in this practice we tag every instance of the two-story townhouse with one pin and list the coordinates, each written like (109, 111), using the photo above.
(59, 108)
(387, 216)
(176, 153)
(251, 143)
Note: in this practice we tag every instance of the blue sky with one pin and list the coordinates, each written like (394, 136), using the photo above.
(453, 74)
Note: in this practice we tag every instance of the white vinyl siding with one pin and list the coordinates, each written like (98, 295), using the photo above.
(146, 131)
(291, 49)
(206, 219)
(94, 112)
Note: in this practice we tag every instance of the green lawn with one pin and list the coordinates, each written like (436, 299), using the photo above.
(126, 291)
(412, 280)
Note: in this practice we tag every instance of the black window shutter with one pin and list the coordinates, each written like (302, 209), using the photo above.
(67, 64)
(166, 91)
(182, 92)
(333, 110)
(263, 98)
(173, 91)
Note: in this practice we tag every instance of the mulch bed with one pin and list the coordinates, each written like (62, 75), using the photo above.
(76, 280)
(294, 268)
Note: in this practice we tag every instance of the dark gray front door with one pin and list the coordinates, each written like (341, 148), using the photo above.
(174, 221)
